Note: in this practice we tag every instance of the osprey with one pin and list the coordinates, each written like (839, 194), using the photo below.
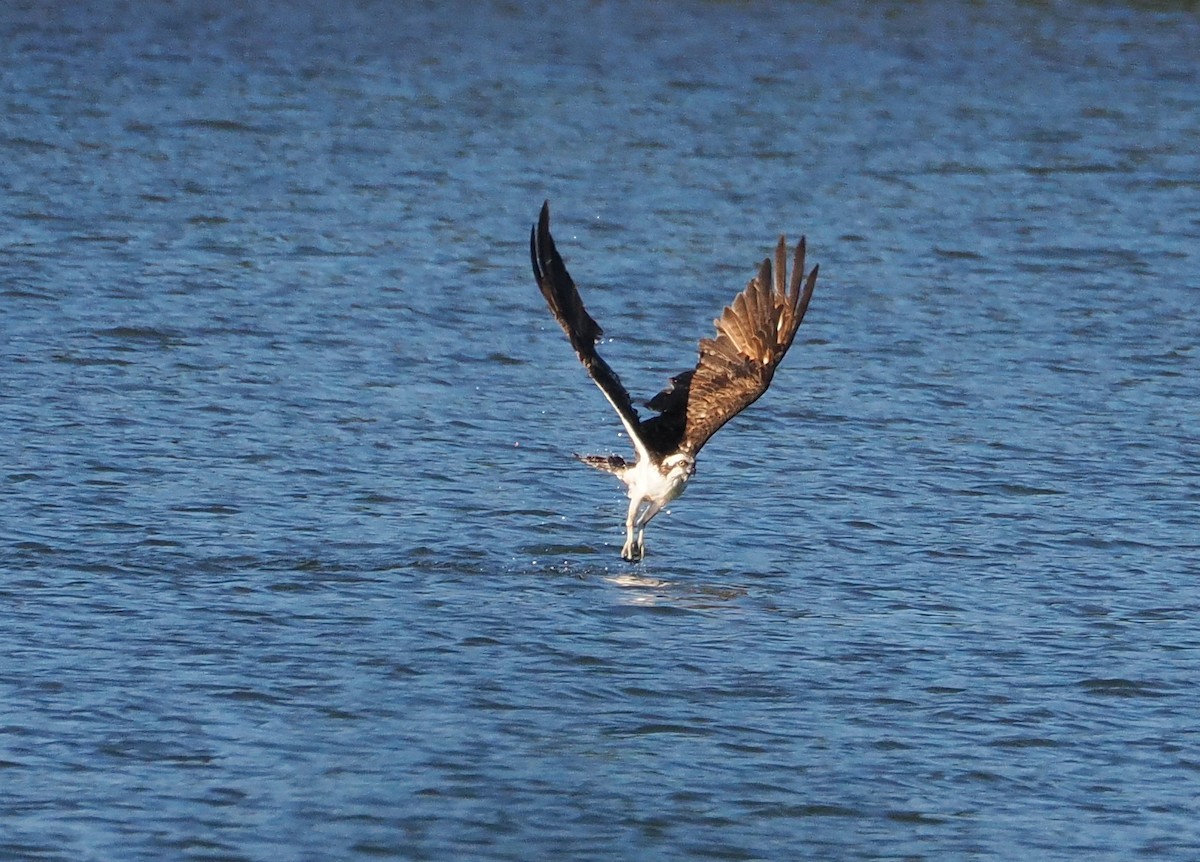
(734, 369)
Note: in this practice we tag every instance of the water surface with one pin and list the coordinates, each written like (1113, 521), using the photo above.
(294, 560)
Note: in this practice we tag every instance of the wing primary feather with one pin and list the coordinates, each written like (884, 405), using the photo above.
(797, 274)
(780, 266)
(761, 314)
(752, 312)
(805, 298)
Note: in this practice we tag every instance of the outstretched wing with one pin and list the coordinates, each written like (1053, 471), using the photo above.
(564, 301)
(735, 368)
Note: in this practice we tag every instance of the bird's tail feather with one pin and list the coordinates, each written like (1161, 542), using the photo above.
(607, 463)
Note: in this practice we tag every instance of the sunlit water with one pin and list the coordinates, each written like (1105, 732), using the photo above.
(294, 559)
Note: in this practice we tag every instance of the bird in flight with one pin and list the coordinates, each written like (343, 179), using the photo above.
(734, 370)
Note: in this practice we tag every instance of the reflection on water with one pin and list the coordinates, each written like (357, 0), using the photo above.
(638, 589)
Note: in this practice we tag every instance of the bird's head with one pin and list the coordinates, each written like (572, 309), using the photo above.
(679, 466)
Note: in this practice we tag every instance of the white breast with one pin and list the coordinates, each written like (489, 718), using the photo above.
(647, 483)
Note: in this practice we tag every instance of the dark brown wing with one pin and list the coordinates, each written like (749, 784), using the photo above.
(564, 301)
(735, 368)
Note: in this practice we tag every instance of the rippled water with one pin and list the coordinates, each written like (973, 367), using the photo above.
(294, 560)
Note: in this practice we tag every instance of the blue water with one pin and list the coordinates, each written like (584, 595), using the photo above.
(294, 559)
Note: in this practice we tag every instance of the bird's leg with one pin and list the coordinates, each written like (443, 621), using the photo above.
(652, 509)
(630, 553)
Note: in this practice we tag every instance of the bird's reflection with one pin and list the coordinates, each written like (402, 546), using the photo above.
(651, 591)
